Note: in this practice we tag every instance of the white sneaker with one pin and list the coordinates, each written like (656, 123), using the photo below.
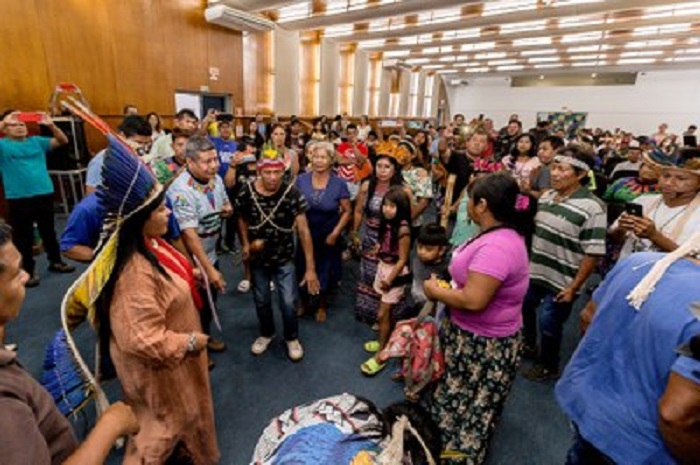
(272, 286)
(260, 345)
(295, 350)
(244, 286)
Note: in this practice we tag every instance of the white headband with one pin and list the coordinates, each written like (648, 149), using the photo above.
(573, 162)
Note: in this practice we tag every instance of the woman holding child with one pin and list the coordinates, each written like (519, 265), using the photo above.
(481, 337)
(367, 216)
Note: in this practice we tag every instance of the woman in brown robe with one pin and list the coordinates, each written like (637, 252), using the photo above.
(157, 345)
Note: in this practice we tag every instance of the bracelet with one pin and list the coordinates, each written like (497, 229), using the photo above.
(192, 343)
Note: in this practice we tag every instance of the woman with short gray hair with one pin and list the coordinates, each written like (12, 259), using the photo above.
(328, 214)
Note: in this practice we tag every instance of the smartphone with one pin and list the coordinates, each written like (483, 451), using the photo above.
(30, 117)
(634, 209)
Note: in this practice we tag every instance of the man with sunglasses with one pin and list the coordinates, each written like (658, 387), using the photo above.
(137, 132)
(28, 187)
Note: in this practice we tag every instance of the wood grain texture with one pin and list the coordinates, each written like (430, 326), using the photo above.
(118, 52)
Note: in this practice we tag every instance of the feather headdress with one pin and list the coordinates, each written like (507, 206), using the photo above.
(127, 187)
(270, 157)
(394, 149)
(687, 160)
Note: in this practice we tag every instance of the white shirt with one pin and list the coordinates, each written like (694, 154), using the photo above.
(665, 218)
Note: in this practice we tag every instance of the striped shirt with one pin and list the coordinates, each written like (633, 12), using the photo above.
(565, 232)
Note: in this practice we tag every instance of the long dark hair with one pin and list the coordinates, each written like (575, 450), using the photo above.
(396, 179)
(424, 149)
(423, 423)
(131, 242)
(148, 120)
(398, 197)
(272, 129)
(501, 190)
(533, 146)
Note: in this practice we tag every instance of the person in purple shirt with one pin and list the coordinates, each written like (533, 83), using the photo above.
(490, 275)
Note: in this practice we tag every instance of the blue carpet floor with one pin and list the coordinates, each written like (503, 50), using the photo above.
(249, 390)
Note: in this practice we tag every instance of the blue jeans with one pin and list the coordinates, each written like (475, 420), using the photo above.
(284, 277)
(552, 316)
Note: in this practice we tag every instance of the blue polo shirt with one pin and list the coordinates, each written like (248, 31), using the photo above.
(23, 167)
(616, 377)
(225, 149)
(85, 224)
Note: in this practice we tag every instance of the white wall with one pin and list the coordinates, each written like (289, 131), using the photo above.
(286, 72)
(660, 96)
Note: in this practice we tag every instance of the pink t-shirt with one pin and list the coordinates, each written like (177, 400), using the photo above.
(501, 254)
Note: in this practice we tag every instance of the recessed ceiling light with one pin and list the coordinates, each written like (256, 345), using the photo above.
(529, 53)
(636, 61)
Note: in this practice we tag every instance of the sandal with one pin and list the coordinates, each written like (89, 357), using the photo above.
(244, 286)
(413, 397)
(321, 315)
(371, 346)
(371, 367)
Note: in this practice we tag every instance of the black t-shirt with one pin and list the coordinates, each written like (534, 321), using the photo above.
(271, 219)
(460, 165)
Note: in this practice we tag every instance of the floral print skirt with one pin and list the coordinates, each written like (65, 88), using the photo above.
(468, 399)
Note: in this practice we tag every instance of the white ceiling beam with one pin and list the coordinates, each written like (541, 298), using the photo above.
(506, 39)
(617, 48)
(608, 6)
(253, 5)
(581, 70)
(407, 7)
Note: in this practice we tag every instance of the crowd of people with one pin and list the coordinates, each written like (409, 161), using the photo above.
(499, 232)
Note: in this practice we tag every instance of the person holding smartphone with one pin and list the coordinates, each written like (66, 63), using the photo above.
(659, 222)
(28, 187)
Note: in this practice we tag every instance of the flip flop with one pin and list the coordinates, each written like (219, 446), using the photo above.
(371, 367)
(450, 454)
(371, 346)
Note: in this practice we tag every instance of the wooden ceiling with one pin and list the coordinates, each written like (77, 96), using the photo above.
(503, 37)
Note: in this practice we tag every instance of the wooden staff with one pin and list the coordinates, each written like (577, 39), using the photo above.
(449, 191)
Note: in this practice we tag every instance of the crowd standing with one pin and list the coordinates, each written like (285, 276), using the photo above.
(532, 221)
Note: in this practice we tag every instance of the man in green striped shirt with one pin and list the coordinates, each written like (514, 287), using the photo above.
(569, 239)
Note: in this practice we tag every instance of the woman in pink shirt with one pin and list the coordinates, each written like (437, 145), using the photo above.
(481, 338)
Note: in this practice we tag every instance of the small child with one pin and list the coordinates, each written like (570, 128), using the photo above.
(392, 270)
(415, 340)
(430, 259)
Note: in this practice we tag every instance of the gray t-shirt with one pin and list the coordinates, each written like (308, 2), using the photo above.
(543, 179)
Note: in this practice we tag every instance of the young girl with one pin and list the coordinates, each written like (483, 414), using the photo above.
(522, 160)
(392, 271)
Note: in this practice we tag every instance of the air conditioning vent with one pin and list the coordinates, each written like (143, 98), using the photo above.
(237, 19)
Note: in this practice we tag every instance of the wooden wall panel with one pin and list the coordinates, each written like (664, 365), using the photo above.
(116, 51)
(140, 52)
(22, 65)
(78, 48)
